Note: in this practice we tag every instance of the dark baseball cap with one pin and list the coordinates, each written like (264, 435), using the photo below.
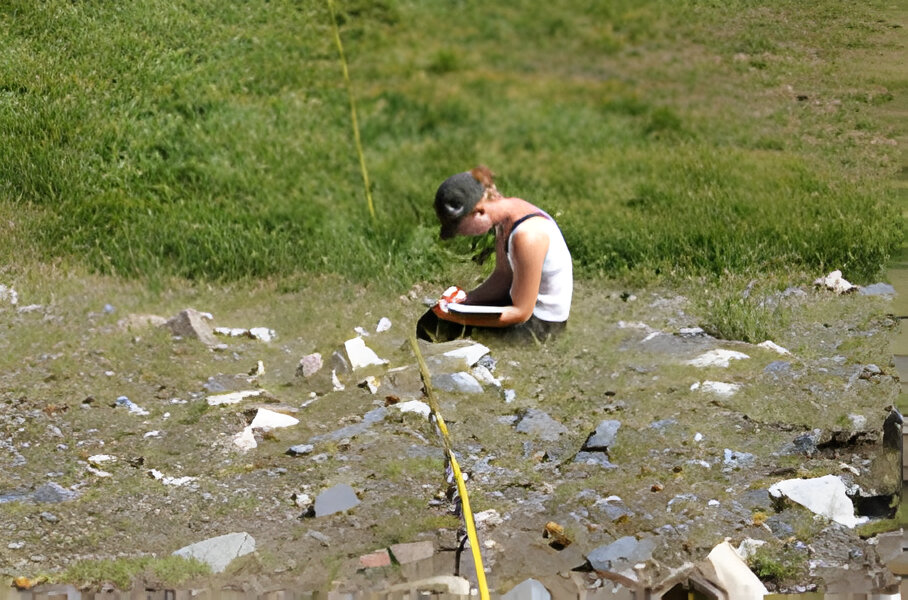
(455, 199)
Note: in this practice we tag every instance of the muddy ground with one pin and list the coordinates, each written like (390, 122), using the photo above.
(690, 463)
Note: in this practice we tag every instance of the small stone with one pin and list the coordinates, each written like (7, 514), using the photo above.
(603, 437)
(300, 449)
(361, 355)
(878, 289)
(191, 323)
(374, 560)
(309, 365)
(384, 324)
(321, 537)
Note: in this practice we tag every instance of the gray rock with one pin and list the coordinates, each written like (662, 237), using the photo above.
(778, 368)
(603, 437)
(806, 443)
(300, 449)
(53, 493)
(663, 424)
(49, 517)
(218, 552)
(612, 508)
(337, 499)
(460, 382)
(877, 289)
(538, 423)
(621, 555)
(594, 458)
(736, 460)
(339, 363)
(376, 415)
(529, 589)
(190, 324)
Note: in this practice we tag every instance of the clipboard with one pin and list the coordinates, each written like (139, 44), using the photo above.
(475, 309)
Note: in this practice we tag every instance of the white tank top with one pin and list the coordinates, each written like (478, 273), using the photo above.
(557, 285)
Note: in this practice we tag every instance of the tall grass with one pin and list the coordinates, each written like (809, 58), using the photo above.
(212, 141)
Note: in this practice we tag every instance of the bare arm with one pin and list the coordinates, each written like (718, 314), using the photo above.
(529, 247)
(495, 290)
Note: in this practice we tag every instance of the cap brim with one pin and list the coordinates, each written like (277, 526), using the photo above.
(448, 230)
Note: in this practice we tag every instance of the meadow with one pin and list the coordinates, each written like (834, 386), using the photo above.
(213, 141)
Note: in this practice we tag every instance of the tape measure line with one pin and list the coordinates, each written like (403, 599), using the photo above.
(455, 467)
(356, 138)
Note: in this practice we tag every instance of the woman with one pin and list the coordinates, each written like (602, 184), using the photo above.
(533, 278)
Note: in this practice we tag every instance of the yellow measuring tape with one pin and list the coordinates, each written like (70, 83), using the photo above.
(458, 476)
(359, 145)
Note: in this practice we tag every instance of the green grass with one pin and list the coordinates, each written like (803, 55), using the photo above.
(196, 140)
(122, 571)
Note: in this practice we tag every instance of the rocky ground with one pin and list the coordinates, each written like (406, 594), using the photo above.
(617, 455)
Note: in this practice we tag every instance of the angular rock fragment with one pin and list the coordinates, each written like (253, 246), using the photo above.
(373, 560)
(822, 495)
(716, 358)
(309, 365)
(360, 355)
(336, 499)
(460, 382)
(232, 397)
(412, 552)
(603, 437)
(529, 589)
(190, 323)
(617, 560)
(218, 552)
(733, 575)
(538, 423)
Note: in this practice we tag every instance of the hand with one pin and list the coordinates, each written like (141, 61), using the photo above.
(452, 295)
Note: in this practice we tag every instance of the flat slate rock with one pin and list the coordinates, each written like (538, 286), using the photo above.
(218, 552)
(334, 500)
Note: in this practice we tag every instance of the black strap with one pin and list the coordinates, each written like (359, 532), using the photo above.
(507, 243)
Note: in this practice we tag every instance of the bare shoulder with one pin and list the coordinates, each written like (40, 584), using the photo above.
(531, 233)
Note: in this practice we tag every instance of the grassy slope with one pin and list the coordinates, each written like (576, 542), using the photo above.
(198, 140)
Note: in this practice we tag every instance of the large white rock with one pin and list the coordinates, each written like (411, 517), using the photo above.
(734, 575)
(361, 355)
(822, 495)
(769, 345)
(233, 397)
(217, 552)
(264, 419)
(414, 406)
(269, 419)
(836, 283)
(716, 358)
(719, 388)
(471, 353)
